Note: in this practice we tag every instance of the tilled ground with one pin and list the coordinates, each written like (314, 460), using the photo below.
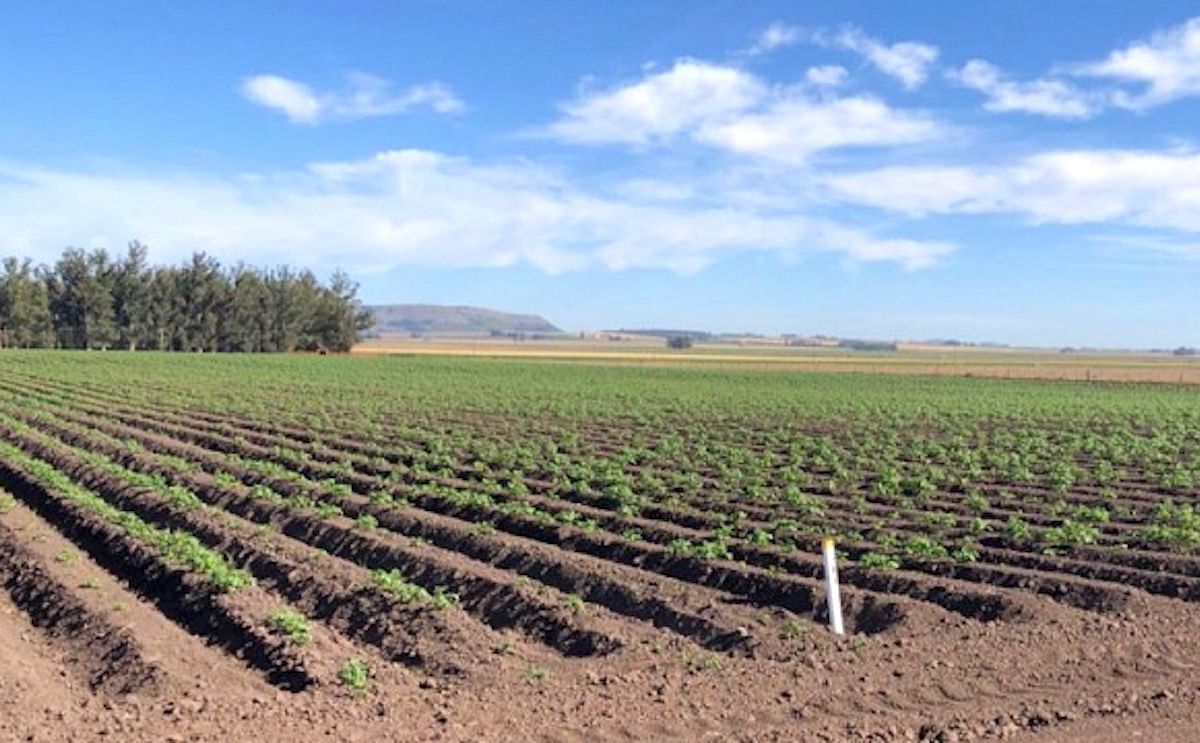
(569, 619)
(88, 656)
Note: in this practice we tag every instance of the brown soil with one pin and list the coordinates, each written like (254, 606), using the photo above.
(1073, 589)
(561, 633)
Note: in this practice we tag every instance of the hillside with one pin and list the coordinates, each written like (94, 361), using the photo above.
(456, 320)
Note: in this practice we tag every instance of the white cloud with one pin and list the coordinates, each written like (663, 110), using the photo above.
(661, 105)
(1047, 97)
(921, 190)
(413, 208)
(652, 189)
(773, 37)
(907, 61)
(792, 129)
(1168, 64)
(296, 100)
(365, 96)
(733, 110)
(1148, 189)
(826, 76)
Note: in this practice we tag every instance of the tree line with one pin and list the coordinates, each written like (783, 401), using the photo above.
(91, 300)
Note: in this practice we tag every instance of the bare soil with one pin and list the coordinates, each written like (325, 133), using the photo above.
(558, 634)
(1063, 674)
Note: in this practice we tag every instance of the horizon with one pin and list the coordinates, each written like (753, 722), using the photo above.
(977, 343)
(993, 173)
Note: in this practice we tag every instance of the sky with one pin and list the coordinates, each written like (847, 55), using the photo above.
(1000, 170)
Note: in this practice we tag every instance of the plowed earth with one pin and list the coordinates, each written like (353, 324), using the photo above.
(551, 632)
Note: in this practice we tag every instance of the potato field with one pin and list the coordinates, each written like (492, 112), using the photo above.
(469, 549)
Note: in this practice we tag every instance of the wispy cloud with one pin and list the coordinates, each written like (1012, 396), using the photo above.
(659, 106)
(790, 130)
(907, 61)
(733, 110)
(1167, 64)
(364, 96)
(1043, 96)
(1133, 187)
(418, 208)
(775, 36)
(826, 76)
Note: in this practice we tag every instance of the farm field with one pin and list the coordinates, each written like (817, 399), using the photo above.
(910, 359)
(447, 548)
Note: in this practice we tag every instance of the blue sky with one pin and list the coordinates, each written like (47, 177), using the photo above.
(1022, 172)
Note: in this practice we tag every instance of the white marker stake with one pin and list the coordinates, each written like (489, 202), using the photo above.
(833, 593)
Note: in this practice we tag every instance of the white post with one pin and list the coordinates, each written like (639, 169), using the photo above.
(833, 594)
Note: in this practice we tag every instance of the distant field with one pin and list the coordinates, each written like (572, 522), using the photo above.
(920, 360)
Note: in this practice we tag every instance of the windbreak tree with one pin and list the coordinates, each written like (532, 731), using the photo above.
(81, 301)
(285, 307)
(133, 298)
(87, 300)
(24, 306)
(339, 318)
(162, 316)
(248, 323)
(201, 295)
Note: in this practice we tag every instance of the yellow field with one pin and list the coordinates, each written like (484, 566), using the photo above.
(1003, 363)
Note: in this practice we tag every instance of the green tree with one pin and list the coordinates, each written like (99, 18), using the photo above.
(248, 328)
(286, 306)
(201, 299)
(80, 294)
(24, 306)
(162, 319)
(88, 301)
(339, 318)
(132, 299)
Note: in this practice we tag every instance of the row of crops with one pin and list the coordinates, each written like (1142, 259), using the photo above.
(559, 500)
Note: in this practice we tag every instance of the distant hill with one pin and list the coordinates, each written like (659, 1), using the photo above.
(454, 320)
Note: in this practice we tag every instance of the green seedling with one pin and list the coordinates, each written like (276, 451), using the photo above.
(291, 624)
(573, 603)
(355, 675)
